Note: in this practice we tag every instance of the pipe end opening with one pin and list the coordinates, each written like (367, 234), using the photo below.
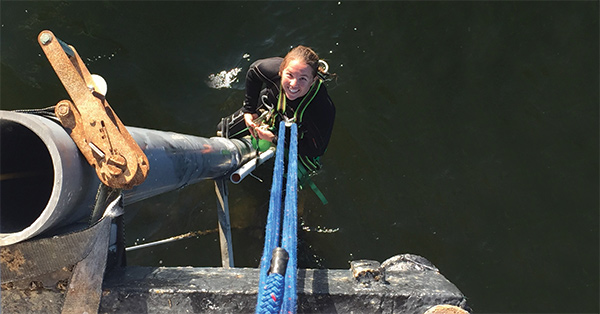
(27, 177)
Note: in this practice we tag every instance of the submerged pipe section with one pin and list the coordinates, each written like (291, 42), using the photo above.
(46, 183)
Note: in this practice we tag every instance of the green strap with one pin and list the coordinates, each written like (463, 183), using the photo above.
(304, 177)
(310, 95)
(304, 104)
(238, 133)
(311, 164)
(305, 162)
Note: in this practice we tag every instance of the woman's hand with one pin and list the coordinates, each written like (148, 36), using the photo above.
(249, 119)
(264, 133)
(257, 131)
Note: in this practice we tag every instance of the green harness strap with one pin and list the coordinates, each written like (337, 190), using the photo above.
(238, 133)
(305, 161)
(282, 105)
(298, 117)
(304, 178)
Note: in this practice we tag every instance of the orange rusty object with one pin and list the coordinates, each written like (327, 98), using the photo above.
(92, 124)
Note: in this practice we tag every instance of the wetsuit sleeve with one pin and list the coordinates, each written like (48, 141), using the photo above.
(317, 127)
(261, 72)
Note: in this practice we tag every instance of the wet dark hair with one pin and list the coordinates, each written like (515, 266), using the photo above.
(304, 54)
(310, 57)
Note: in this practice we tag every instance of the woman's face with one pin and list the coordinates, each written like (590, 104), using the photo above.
(296, 79)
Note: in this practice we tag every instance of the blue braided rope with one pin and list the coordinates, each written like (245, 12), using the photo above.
(289, 239)
(273, 218)
(273, 294)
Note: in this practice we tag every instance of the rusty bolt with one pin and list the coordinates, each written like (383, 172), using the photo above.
(113, 170)
(63, 109)
(45, 38)
(118, 161)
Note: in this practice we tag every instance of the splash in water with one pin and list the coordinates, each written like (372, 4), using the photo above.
(223, 79)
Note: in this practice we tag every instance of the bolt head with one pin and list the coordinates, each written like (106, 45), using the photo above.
(63, 109)
(114, 171)
(45, 38)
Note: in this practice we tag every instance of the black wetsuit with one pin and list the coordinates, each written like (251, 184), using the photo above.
(316, 126)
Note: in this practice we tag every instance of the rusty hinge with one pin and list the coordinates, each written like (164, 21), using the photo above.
(92, 124)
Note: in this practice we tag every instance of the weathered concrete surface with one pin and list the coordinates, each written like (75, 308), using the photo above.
(407, 284)
(217, 290)
(32, 301)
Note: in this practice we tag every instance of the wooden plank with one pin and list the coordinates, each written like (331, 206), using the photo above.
(85, 287)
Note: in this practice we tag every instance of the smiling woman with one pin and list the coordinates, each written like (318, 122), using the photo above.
(294, 91)
(298, 71)
(296, 78)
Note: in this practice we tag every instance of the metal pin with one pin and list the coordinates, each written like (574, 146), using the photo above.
(97, 150)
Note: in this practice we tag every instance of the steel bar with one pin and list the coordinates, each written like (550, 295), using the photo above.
(224, 223)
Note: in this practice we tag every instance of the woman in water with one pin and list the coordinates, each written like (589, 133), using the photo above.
(293, 87)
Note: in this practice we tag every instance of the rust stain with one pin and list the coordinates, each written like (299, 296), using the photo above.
(13, 260)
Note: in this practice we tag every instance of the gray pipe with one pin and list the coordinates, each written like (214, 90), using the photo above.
(177, 160)
(46, 183)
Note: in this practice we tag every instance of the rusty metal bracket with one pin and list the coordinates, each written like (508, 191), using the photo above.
(92, 124)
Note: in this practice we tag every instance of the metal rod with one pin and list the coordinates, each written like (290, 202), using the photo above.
(224, 223)
(239, 175)
(171, 239)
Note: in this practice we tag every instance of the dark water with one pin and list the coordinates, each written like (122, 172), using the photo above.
(467, 132)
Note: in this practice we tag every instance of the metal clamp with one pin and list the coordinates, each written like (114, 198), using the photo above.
(90, 121)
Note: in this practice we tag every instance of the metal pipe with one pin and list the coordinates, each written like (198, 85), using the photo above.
(239, 175)
(46, 182)
(40, 148)
(177, 160)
